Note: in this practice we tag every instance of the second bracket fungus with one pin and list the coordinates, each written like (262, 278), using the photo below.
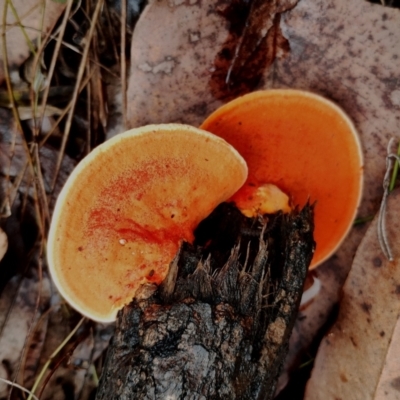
(124, 210)
(303, 144)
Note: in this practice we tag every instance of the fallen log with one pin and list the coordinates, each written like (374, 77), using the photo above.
(219, 324)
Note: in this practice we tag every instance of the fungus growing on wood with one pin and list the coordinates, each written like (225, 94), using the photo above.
(306, 146)
(123, 212)
(263, 199)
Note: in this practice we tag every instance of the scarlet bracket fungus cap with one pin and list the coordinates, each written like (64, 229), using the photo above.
(124, 210)
(307, 147)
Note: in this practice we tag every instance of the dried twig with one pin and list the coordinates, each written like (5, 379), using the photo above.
(31, 327)
(63, 114)
(79, 78)
(54, 354)
(123, 63)
(55, 56)
(13, 384)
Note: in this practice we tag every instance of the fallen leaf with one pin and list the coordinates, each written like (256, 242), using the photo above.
(358, 358)
(27, 341)
(181, 53)
(344, 50)
(12, 157)
(35, 18)
(14, 163)
(389, 381)
(17, 317)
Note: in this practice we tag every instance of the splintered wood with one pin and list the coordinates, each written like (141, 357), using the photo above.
(219, 326)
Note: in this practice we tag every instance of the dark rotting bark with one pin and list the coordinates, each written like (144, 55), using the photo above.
(218, 326)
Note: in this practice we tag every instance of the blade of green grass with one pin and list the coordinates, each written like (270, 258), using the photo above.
(363, 220)
(395, 171)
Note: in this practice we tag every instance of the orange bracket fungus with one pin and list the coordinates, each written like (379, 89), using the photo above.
(123, 212)
(303, 144)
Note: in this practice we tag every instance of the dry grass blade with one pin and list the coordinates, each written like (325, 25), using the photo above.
(30, 175)
(38, 78)
(31, 325)
(37, 326)
(91, 369)
(81, 72)
(62, 359)
(114, 46)
(42, 199)
(55, 56)
(54, 354)
(27, 12)
(13, 384)
(64, 113)
(123, 63)
(34, 165)
(9, 90)
(96, 102)
(19, 23)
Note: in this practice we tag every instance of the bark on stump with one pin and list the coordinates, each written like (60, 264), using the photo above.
(218, 326)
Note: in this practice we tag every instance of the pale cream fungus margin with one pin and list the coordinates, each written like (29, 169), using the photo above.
(124, 210)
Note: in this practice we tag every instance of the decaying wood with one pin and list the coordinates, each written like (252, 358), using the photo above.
(218, 326)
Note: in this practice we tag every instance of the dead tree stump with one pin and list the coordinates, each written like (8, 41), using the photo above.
(218, 327)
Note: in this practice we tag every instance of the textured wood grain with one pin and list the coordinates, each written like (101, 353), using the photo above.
(215, 329)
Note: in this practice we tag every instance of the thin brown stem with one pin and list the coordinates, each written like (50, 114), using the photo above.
(63, 114)
(79, 78)
(55, 57)
(123, 63)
